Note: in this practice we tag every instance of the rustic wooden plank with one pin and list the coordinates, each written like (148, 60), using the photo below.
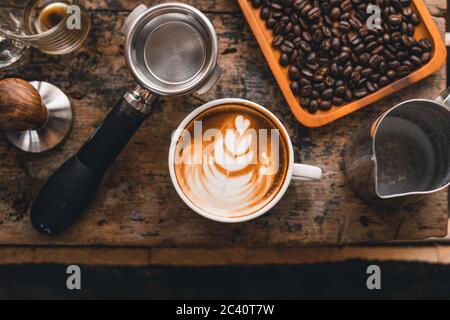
(132, 256)
(137, 204)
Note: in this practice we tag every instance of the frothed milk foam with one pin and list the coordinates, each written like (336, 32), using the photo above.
(231, 161)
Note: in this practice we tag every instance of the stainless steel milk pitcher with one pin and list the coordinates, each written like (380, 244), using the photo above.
(404, 155)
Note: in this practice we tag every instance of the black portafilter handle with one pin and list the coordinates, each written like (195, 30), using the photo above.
(73, 186)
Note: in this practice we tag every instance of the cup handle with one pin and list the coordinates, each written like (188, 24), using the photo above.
(304, 172)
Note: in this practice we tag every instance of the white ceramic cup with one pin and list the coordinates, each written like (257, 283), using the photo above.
(295, 171)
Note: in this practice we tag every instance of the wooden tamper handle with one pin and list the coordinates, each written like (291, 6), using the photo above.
(21, 107)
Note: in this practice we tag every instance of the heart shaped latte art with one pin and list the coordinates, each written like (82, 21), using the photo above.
(234, 178)
(241, 124)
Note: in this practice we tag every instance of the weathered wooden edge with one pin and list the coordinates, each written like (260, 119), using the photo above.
(431, 253)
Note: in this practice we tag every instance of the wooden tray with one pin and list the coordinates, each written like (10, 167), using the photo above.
(263, 35)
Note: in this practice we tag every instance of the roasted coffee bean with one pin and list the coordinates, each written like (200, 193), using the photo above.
(277, 41)
(334, 69)
(305, 102)
(344, 26)
(287, 46)
(329, 81)
(348, 95)
(394, 64)
(355, 23)
(416, 50)
(372, 87)
(295, 87)
(383, 81)
(388, 54)
(318, 36)
(361, 93)
(347, 71)
(314, 14)
(345, 16)
(391, 74)
(366, 72)
(307, 36)
(332, 57)
(276, 6)
(374, 77)
(325, 45)
(325, 6)
(335, 13)
(307, 73)
(294, 73)
(337, 101)
(313, 106)
(340, 91)
(415, 60)
(327, 94)
(408, 41)
(304, 11)
(323, 61)
(305, 46)
(304, 82)
(318, 78)
(311, 58)
(402, 71)
(395, 19)
(425, 44)
(346, 5)
(364, 58)
(256, 3)
(296, 30)
(402, 55)
(299, 4)
(336, 44)
(319, 86)
(414, 18)
(344, 57)
(375, 61)
(359, 49)
(265, 13)
(315, 94)
(325, 105)
(407, 11)
(312, 66)
(371, 46)
(306, 91)
(378, 50)
(284, 60)
(355, 40)
(425, 57)
(323, 71)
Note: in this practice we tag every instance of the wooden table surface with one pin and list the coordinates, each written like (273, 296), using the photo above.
(137, 205)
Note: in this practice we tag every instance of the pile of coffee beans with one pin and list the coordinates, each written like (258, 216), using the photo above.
(334, 53)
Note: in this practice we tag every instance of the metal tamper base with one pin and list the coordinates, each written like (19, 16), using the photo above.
(56, 128)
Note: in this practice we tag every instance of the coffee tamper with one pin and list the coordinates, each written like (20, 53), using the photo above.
(35, 116)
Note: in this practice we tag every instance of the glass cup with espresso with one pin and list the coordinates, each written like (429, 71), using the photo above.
(231, 160)
(54, 27)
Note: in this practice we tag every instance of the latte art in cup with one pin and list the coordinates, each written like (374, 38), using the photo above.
(231, 161)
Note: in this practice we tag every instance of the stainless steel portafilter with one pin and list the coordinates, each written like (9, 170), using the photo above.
(171, 49)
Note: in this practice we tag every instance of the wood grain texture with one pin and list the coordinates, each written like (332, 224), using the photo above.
(21, 106)
(137, 205)
(137, 256)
